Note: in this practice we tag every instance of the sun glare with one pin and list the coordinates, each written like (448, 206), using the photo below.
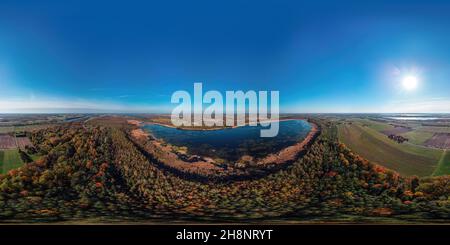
(410, 82)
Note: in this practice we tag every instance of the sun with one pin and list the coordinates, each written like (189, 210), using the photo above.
(410, 82)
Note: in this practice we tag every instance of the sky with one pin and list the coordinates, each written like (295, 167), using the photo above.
(131, 56)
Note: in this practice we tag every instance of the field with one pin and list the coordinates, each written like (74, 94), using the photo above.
(12, 129)
(435, 129)
(9, 152)
(11, 142)
(397, 130)
(22, 142)
(9, 159)
(7, 142)
(418, 137)
(443, 167)
(416, 132)
(375, 125)
(439, 140)
(407, 159)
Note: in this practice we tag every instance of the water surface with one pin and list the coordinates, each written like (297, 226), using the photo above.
(232, 143)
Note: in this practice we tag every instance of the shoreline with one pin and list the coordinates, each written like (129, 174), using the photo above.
(291, 152)
(207, 167)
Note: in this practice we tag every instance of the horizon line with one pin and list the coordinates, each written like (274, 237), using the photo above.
(161, 113)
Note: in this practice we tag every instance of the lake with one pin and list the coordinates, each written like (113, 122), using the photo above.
(232, 143)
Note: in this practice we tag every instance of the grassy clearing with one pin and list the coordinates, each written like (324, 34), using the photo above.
(407, 159)
(34, 157)
(443, 167)
(9, 159)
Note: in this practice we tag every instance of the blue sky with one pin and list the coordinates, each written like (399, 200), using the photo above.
(130, 56)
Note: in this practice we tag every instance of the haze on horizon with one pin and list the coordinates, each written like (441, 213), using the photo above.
(130, 56)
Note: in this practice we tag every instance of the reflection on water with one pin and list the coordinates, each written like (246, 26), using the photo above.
(231, 144)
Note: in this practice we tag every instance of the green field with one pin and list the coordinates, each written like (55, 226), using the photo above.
(443, 167)
(407, 159)
(378, 126)
(9, 159)
(418, 137)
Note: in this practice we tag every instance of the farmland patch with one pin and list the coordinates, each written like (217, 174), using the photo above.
(7, 142)
(397, 130)
(439, 140)
(22, 142)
